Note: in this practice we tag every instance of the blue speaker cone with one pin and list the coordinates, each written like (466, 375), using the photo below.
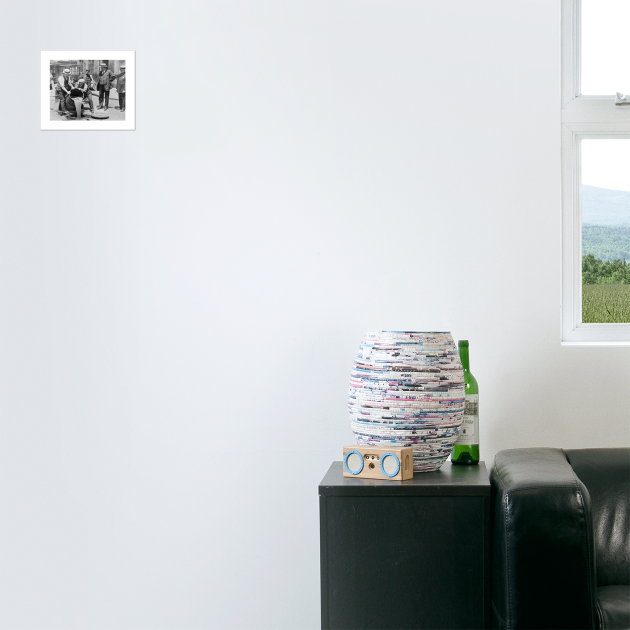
(353, 462)
(390, 464)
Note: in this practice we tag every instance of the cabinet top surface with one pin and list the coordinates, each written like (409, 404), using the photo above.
(449, 480)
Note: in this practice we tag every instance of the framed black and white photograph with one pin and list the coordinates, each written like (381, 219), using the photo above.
(88, 90)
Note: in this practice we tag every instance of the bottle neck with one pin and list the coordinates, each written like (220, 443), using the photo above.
(463, 354)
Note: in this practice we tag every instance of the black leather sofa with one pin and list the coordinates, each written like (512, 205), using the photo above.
(561, 540)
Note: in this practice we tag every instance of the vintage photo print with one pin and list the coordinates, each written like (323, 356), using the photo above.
(87, 90)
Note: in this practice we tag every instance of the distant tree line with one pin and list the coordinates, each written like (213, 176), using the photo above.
(606, 241)
(597, 271)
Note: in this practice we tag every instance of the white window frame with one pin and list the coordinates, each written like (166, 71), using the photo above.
(582, 117)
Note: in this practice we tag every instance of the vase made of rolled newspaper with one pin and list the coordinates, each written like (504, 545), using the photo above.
(407, 389)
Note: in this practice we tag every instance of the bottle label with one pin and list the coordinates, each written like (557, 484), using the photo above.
(469, 431)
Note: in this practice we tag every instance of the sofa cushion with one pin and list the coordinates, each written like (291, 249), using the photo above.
(613, 607)
(606, 475)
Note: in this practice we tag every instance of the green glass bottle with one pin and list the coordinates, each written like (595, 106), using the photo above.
(466, 449)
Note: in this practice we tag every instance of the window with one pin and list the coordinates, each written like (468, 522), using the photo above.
(595, 169)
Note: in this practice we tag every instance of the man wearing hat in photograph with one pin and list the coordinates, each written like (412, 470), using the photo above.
(87, 95)
(104, 85)
(64, 88)
(121, 79)
(90, 85)
(74, 102)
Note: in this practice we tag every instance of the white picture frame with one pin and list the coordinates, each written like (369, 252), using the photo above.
(118, 121)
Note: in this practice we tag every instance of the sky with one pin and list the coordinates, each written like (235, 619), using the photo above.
(606, 163)
(606, 70)
(605, 50)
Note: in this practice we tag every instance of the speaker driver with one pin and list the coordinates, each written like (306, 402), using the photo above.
(390, 464)
(353, 462)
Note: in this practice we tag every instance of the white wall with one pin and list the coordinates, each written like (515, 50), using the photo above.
(178, 320)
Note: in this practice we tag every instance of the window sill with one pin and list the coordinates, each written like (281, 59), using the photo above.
(598, 335)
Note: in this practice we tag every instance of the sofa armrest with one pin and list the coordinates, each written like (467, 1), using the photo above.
(543, 565)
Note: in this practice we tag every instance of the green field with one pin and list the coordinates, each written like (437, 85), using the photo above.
(605, 303)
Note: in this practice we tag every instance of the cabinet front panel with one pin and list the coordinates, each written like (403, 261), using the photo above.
(404, 562)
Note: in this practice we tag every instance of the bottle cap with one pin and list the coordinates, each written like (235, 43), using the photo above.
(463, 342)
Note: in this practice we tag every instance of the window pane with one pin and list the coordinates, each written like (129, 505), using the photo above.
(605, 49)
(605, 231)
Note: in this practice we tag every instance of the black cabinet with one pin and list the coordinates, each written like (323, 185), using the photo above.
(406, 554)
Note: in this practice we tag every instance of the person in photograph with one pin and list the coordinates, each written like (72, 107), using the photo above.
(90, 85)
(74, 103)
(58, 96)
(105, 78)
(121, 79)
(65, 85)
(89, 79)
(87, 95)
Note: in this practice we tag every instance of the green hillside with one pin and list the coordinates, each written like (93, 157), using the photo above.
(606, 242)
